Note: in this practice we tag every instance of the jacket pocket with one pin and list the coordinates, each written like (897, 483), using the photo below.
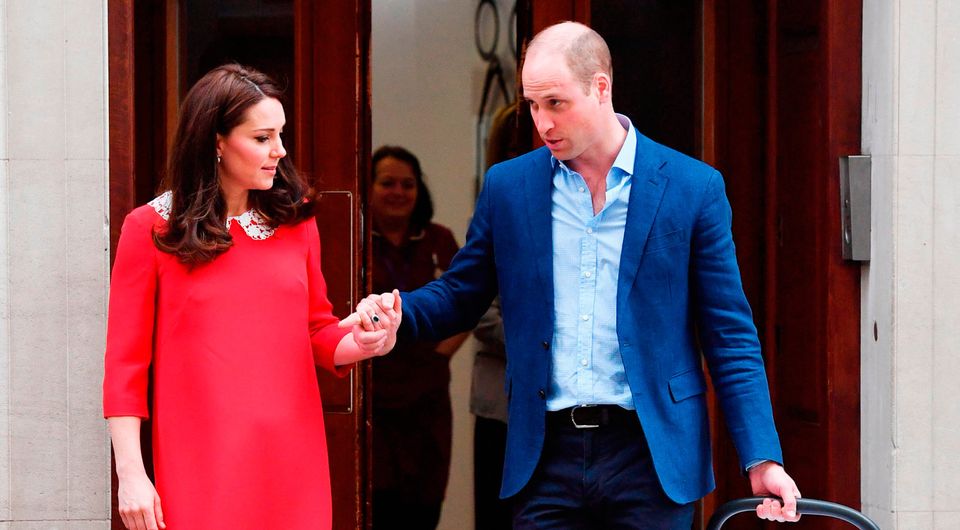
(687, 384)
(660, 242)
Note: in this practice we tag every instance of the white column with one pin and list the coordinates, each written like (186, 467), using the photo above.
(946, 272)
(911, 288)
(54, 468)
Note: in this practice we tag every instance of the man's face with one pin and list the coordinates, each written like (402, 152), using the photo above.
(566, 117)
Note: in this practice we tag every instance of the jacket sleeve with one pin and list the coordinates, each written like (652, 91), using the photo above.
(727, 333)
(455, 302)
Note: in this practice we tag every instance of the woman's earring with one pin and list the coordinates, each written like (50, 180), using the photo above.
(218, 159)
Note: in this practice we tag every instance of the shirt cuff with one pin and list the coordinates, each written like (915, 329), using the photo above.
(754, 463)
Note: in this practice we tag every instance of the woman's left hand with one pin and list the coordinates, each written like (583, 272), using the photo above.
(375, 322)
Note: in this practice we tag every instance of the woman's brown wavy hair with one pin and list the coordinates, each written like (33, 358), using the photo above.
(196, 230)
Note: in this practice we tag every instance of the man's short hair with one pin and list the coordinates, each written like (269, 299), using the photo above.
(586, 53)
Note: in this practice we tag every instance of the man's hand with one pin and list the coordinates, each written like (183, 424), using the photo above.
(769, 478)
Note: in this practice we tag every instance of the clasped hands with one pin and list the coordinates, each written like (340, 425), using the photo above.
(375, 322)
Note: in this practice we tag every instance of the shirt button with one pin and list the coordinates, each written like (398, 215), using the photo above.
(587, 274)
(581, 190)
(583, 362)
(584, 317)
(589, 230)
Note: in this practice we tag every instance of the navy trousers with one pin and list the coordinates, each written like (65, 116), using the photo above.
(600, 478)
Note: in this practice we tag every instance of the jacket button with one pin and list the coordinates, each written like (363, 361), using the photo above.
(545, 344)
(542, 394)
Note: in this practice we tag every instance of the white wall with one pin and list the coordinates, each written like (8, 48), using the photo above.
(54, 455)
(910, 290)
(427, 79)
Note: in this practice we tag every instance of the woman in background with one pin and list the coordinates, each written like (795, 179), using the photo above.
(217, 293)
(412, 420)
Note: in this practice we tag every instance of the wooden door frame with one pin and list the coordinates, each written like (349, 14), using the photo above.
(834, 321)
(122, 159)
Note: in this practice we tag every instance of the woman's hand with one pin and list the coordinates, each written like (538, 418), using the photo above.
(375, 323)
(138, 501)
(139, 504)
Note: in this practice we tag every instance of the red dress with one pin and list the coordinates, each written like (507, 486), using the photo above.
(238, 436)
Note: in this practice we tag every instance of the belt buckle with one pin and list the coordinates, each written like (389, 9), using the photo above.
(573, 418)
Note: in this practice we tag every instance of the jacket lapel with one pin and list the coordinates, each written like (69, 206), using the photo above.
(646, 193)
(538, 185)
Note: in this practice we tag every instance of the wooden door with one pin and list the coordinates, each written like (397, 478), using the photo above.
(792, 71)
(768, 92)
(817, 51)
(332, 41)
(158, 48)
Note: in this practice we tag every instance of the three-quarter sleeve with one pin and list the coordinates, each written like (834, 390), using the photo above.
(324, 333)
(130, 321)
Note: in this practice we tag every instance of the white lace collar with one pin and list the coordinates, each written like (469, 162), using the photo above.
(251, 221)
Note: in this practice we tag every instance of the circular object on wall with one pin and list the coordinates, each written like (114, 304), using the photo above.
(486, 37)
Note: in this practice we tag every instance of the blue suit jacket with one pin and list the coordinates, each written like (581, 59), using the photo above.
(679, 295)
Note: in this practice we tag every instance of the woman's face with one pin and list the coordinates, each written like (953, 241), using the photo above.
(394, 190)
(250, 152)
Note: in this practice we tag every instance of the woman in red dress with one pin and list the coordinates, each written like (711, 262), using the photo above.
(217, 291)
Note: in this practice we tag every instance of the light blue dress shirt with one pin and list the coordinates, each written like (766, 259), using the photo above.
(587, 368)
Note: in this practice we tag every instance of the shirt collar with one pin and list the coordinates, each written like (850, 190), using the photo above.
(625, 158)
(628, 151)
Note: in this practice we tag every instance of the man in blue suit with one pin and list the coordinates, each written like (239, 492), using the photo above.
(616, 268)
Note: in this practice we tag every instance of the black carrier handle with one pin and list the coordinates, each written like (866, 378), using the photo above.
(804, 507)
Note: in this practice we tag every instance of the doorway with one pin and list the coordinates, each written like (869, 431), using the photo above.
(767, 91)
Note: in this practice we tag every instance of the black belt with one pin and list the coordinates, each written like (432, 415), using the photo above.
(591, 417)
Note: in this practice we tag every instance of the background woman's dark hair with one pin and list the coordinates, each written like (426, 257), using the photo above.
(423, 209)
(196, 230)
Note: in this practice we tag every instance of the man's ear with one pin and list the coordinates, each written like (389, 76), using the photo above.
(604, 87)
